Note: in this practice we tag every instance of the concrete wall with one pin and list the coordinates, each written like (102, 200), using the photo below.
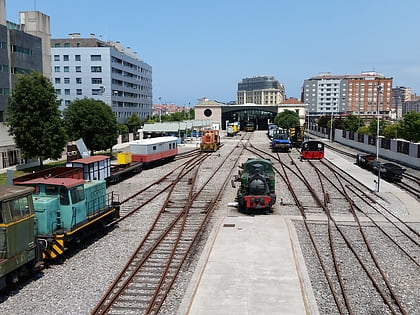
(392, 154)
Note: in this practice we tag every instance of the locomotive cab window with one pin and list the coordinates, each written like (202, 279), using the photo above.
(64, 196)
(19, 208)
(77, 194)
(51, 190)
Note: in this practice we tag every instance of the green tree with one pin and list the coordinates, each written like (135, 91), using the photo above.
(34, 119)
(133, 122)
(287, 119)
(93, 121)
(364, 130)
(323, 121)
(390, 131)
(123, 128)
(352, 123)
(410, 127)
(373, 126)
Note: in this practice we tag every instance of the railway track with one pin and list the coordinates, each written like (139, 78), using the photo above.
(410, 182)
(339, 219)
(146, 280)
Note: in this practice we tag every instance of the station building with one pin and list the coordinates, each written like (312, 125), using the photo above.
(262, 115)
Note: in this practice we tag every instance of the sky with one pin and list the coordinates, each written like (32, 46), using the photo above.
(203, 48)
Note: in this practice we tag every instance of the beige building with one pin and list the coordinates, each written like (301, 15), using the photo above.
(262, 90)
(38, 24)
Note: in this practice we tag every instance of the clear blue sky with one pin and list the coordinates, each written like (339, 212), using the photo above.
(204, 48)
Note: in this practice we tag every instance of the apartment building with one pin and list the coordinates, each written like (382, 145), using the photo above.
(262, 90)
(400, 95)
(102, 70)
(361, 94)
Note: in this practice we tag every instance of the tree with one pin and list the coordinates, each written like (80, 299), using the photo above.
(390, 131)
(93, 121)
(133, 122)
(123, 128)
(410, 126)
(364, 130)
(323, 121)
(373, 126)
(287, 119)
(34, 119)
(352, 123)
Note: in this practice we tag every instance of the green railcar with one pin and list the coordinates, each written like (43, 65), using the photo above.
(19, 250)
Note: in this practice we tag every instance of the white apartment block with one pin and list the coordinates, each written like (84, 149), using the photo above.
(92, 68)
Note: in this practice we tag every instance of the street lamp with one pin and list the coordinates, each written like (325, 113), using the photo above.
(160, 109)
(307, 127)
(379, 92)
(331, 126)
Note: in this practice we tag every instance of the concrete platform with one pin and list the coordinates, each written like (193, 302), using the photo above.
(408, 206)
(251, 269)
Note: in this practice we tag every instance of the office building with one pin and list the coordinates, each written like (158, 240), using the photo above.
(20, 51)
(92, 68)
(261, 90)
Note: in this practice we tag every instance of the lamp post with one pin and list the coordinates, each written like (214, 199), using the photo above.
(379, 92)
(308, 120)
(160, 109)
(331, 126)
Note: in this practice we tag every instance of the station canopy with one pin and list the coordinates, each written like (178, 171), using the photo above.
(175, 126)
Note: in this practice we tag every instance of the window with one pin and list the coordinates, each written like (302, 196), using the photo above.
(66, 68)
(66, 57)
(19, 208)
(58, 91)
(66, 80)
(79, 91)
(67, 91)
(96, 80)
(57, 45)
(67, 102)
(57, 80)
(96, 92)
(57, 69)
(78, 80)
(66, 44)
(78, 69)
(56, 57)
(77, 58)
(96, 69)
(77, 194)
(95, 57)
(64, 196)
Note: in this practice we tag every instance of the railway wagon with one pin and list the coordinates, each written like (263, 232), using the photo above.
(312, 149)
(388, 171)
(210, 140)
(297, 135)
(19, 250)
(154, 150)
(69, 210)
(257, 186)
(102, 167)
(250, 126)
(280, 141)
